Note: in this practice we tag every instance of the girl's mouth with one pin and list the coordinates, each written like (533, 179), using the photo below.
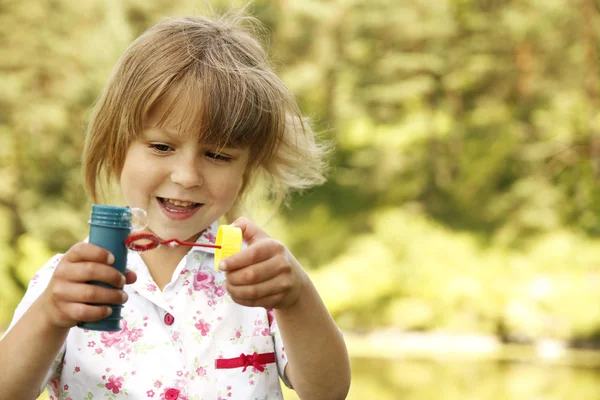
(178, 206)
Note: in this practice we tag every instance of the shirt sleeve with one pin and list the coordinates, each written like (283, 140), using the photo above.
(280, 356)
(36, 286)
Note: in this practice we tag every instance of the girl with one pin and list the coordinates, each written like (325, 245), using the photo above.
(190, 119)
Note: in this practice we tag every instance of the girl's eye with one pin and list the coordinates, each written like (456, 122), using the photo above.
(160, 148)
(218, 157)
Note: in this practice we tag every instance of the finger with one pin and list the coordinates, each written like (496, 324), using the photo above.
(272, 301)
(259, 251)
(256, 273)
(88, 294)
(89, 252)
(80, 312)
(278, 285)
(85, 271)
(130, 277)
(250, 231)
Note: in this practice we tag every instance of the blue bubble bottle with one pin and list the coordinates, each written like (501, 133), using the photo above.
(109, 228)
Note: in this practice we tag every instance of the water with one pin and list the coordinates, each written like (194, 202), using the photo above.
(382, 379)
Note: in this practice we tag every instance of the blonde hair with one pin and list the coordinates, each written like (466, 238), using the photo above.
(215, 73)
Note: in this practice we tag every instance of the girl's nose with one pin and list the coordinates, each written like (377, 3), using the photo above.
(187, 173)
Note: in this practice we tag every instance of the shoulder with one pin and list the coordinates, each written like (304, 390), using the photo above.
(37, 285)
(43, 275)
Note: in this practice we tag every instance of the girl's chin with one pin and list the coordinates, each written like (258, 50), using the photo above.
(166, 234)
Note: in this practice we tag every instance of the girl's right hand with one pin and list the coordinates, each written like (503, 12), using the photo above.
(69, 299)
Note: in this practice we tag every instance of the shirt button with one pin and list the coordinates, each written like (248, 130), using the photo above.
(171, 394)
(169, 319)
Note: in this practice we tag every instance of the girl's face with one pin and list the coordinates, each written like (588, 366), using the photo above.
(184, 186)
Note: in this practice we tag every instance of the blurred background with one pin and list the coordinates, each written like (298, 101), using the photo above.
(456, 241)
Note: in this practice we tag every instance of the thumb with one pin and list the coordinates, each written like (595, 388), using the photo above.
(250, 231)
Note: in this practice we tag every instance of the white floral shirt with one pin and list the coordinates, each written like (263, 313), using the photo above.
(189, 341)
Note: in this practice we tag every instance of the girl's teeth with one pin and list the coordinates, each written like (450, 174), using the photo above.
(179, 203)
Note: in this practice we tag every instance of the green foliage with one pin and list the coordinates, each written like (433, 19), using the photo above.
(419, 275)
(463, 192)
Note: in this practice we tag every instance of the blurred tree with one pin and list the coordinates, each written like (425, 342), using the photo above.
(464, 132)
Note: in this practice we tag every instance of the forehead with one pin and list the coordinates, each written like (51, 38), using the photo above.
(176, 112)
(185, 110)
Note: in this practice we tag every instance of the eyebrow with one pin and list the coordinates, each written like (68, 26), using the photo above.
(162, 130)
(177, 135)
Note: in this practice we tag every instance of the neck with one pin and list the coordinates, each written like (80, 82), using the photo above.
(162, 262)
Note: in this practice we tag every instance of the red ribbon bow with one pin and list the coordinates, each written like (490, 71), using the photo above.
(251, 360)
(255, 360)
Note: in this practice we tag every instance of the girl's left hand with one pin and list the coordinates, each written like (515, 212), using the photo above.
(265, 274)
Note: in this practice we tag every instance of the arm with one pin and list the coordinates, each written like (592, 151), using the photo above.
(27, 352)
(266, 274)
(318, 364)
(28, 349)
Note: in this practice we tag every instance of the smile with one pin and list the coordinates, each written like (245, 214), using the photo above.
(178, 209)
(178, 203)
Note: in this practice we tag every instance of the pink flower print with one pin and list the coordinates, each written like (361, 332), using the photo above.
(116, 339)
(91, 344)
(179, 373)
(257, 327)
(203, 327)
(66, 387)
(201, 371)
(114, 384)
(77, 369)
(265, 332)
(175, 335)
(151, 287)
(157, 384)
(209, 236)
(251, 382)
(238, 334)
(98, 351)
(54, 386)
(150, 393)
(220, 291)
(122, 355)
(270, 316)
(135, 334)
(204, 281)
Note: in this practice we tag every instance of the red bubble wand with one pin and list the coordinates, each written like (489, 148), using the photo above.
(154, 241)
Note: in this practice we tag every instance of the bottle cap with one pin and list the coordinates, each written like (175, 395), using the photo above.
(110, 216)
(230, 239)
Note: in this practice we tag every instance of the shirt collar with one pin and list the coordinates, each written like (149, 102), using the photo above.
(208, 236)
